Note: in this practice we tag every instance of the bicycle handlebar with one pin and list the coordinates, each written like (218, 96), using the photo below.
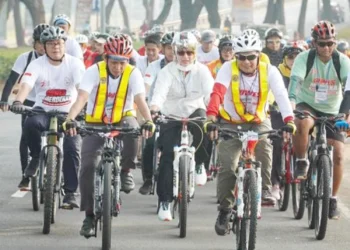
(96, 129)
(236, 133)
(305, 114)
(172, 118)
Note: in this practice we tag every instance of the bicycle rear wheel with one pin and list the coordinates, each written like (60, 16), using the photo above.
(298, 190)
(248, 225)
(106, 206)
(321, 202)
(34, 182)
(183, 197)
(49, 189)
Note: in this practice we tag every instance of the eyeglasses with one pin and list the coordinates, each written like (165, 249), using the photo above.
(249, 58)
(188, 53)
(54, 43)
(324, 44)
(273, 41)
(228, 50)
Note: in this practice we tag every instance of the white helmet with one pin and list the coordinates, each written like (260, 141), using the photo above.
(81, 38)
(61, 19)
(184, 40)
(245, 43)
(251, 32)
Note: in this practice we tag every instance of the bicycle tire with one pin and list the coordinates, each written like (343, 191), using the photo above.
(323, 177)
(49, 189)
(34, 182)
(298, 201)
(250, 215)
(184, 164)
(106, 206)
(310, 213)
(285, 194)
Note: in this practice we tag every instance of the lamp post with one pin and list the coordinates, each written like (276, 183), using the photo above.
(103, 16)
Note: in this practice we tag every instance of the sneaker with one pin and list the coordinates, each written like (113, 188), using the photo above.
(146, 187)
(201, 175)
(88, 228)
(222, 226)
(32, 168)
(69, 201)
(334, 213)
(267, 199)
(164, 213)
(302, 166)
(24, 184)
(276, 192)
(127, 180)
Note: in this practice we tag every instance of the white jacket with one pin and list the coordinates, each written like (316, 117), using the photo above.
(179, 95)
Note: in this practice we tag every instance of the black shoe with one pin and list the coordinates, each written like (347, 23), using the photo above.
(302, 166)
(69, 201)
(222, 226)
(127, 181)
(32, 168)
(146, 187)
(24, 184)
(334, 213)
(88, 228)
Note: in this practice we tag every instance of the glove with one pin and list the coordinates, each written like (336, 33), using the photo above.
(342, 125)
(69, 124)
(210, 126)
(17, 107)
(148, 126)
(4, 106)
(289, 128)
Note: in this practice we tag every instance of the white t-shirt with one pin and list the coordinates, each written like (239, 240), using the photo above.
(55, 86)
(142, 63)
(19, 67)
(249, 91)
(151, 75)
(206, 58)
(91, 81)
(180, 95)
(73, 48)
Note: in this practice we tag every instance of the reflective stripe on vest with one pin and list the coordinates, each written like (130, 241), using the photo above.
(260, 114)
(98, 112)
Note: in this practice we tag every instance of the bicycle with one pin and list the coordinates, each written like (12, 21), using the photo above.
(248, 186)
(107, 176)
(316, 190)
(155, 162)
(214, 163)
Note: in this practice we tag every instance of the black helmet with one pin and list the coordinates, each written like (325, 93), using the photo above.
(293, 48)
(225, 40)
(167, 38)
(273, 32)
(342, 46)
(38, 30)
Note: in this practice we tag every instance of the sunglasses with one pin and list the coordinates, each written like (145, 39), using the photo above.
(249, 58)
(324, 44)
(188, 53)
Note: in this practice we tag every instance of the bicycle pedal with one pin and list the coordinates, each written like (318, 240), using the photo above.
(25, 189)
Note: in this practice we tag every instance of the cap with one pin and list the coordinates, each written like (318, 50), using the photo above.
(208, 36)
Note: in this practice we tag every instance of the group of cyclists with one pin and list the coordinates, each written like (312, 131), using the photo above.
(246, 81)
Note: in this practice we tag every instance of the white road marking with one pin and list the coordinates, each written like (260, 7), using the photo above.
(344, 209)
(19, 194)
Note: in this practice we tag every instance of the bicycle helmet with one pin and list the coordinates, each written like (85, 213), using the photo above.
(196, 33)
(273, 32)
(225, 40)
(342, 46)
(38, 30)
(61, 19)
(293, 48)
(323, 30)
(184, 40)
(167, 38)
(118, 46)
(251, 32)
(247, 43)
(52, 33)
(81, 38)
(157, 28)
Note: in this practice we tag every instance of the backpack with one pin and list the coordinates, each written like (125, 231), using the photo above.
(311, 58)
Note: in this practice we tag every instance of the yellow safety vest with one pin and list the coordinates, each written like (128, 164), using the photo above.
(260, 114)
(98, 113)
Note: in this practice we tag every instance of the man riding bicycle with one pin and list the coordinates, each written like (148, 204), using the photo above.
(54, 77)
(316, 83)
(242, 87)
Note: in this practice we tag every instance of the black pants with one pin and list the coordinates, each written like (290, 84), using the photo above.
(277, 123)
(170, 136)
(33, 128)
(23, 145)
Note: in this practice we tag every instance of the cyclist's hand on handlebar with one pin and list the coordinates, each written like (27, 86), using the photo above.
(288, 129)
(4, 106)
(70, 127)
(17, 107)
(148, 129)
(342, 125)
(212, 129)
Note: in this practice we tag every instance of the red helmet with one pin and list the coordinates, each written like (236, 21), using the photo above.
(323, 30)
(119, 46)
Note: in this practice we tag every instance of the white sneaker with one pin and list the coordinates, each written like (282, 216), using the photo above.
(164, 213)
(201, 175)
(275, 192)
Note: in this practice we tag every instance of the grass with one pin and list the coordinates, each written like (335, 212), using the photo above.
(344, 33)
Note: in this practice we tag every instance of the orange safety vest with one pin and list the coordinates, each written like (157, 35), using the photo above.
(98, 113)
(214, 67)
(260, 114)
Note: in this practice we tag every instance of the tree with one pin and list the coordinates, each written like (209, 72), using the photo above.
(164, 13)
(327, 10)
(1, 4)
(275, 12)
(18, 24)
(125, 14)
(212, 7)
(36, 10)
(109, 8)
(189, 13)
(149, 7)
(302, 17)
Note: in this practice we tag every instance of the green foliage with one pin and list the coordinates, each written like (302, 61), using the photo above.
(8, 58)
(344, 33)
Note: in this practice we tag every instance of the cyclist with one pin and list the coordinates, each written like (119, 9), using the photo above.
(182, 89)
(207, 51)
(72, 46)
(343, 47)
(54, 77)
(16, 74)
(88, 54)
(273, 47)
(111, 81)
(319, 91)
(99, 41)
(226, 54)
(242, 88)
(290, 52)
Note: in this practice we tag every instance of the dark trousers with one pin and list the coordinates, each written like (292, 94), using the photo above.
(277, 123)
(170, 136)
(33, 128)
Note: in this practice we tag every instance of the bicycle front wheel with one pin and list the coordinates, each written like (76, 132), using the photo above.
(183, 196)
(106, 207)
(298, 190)
(35, 192)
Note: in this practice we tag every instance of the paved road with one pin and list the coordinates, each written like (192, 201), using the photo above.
(138, 226)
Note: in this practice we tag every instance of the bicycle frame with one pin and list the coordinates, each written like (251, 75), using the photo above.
(287, 167)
